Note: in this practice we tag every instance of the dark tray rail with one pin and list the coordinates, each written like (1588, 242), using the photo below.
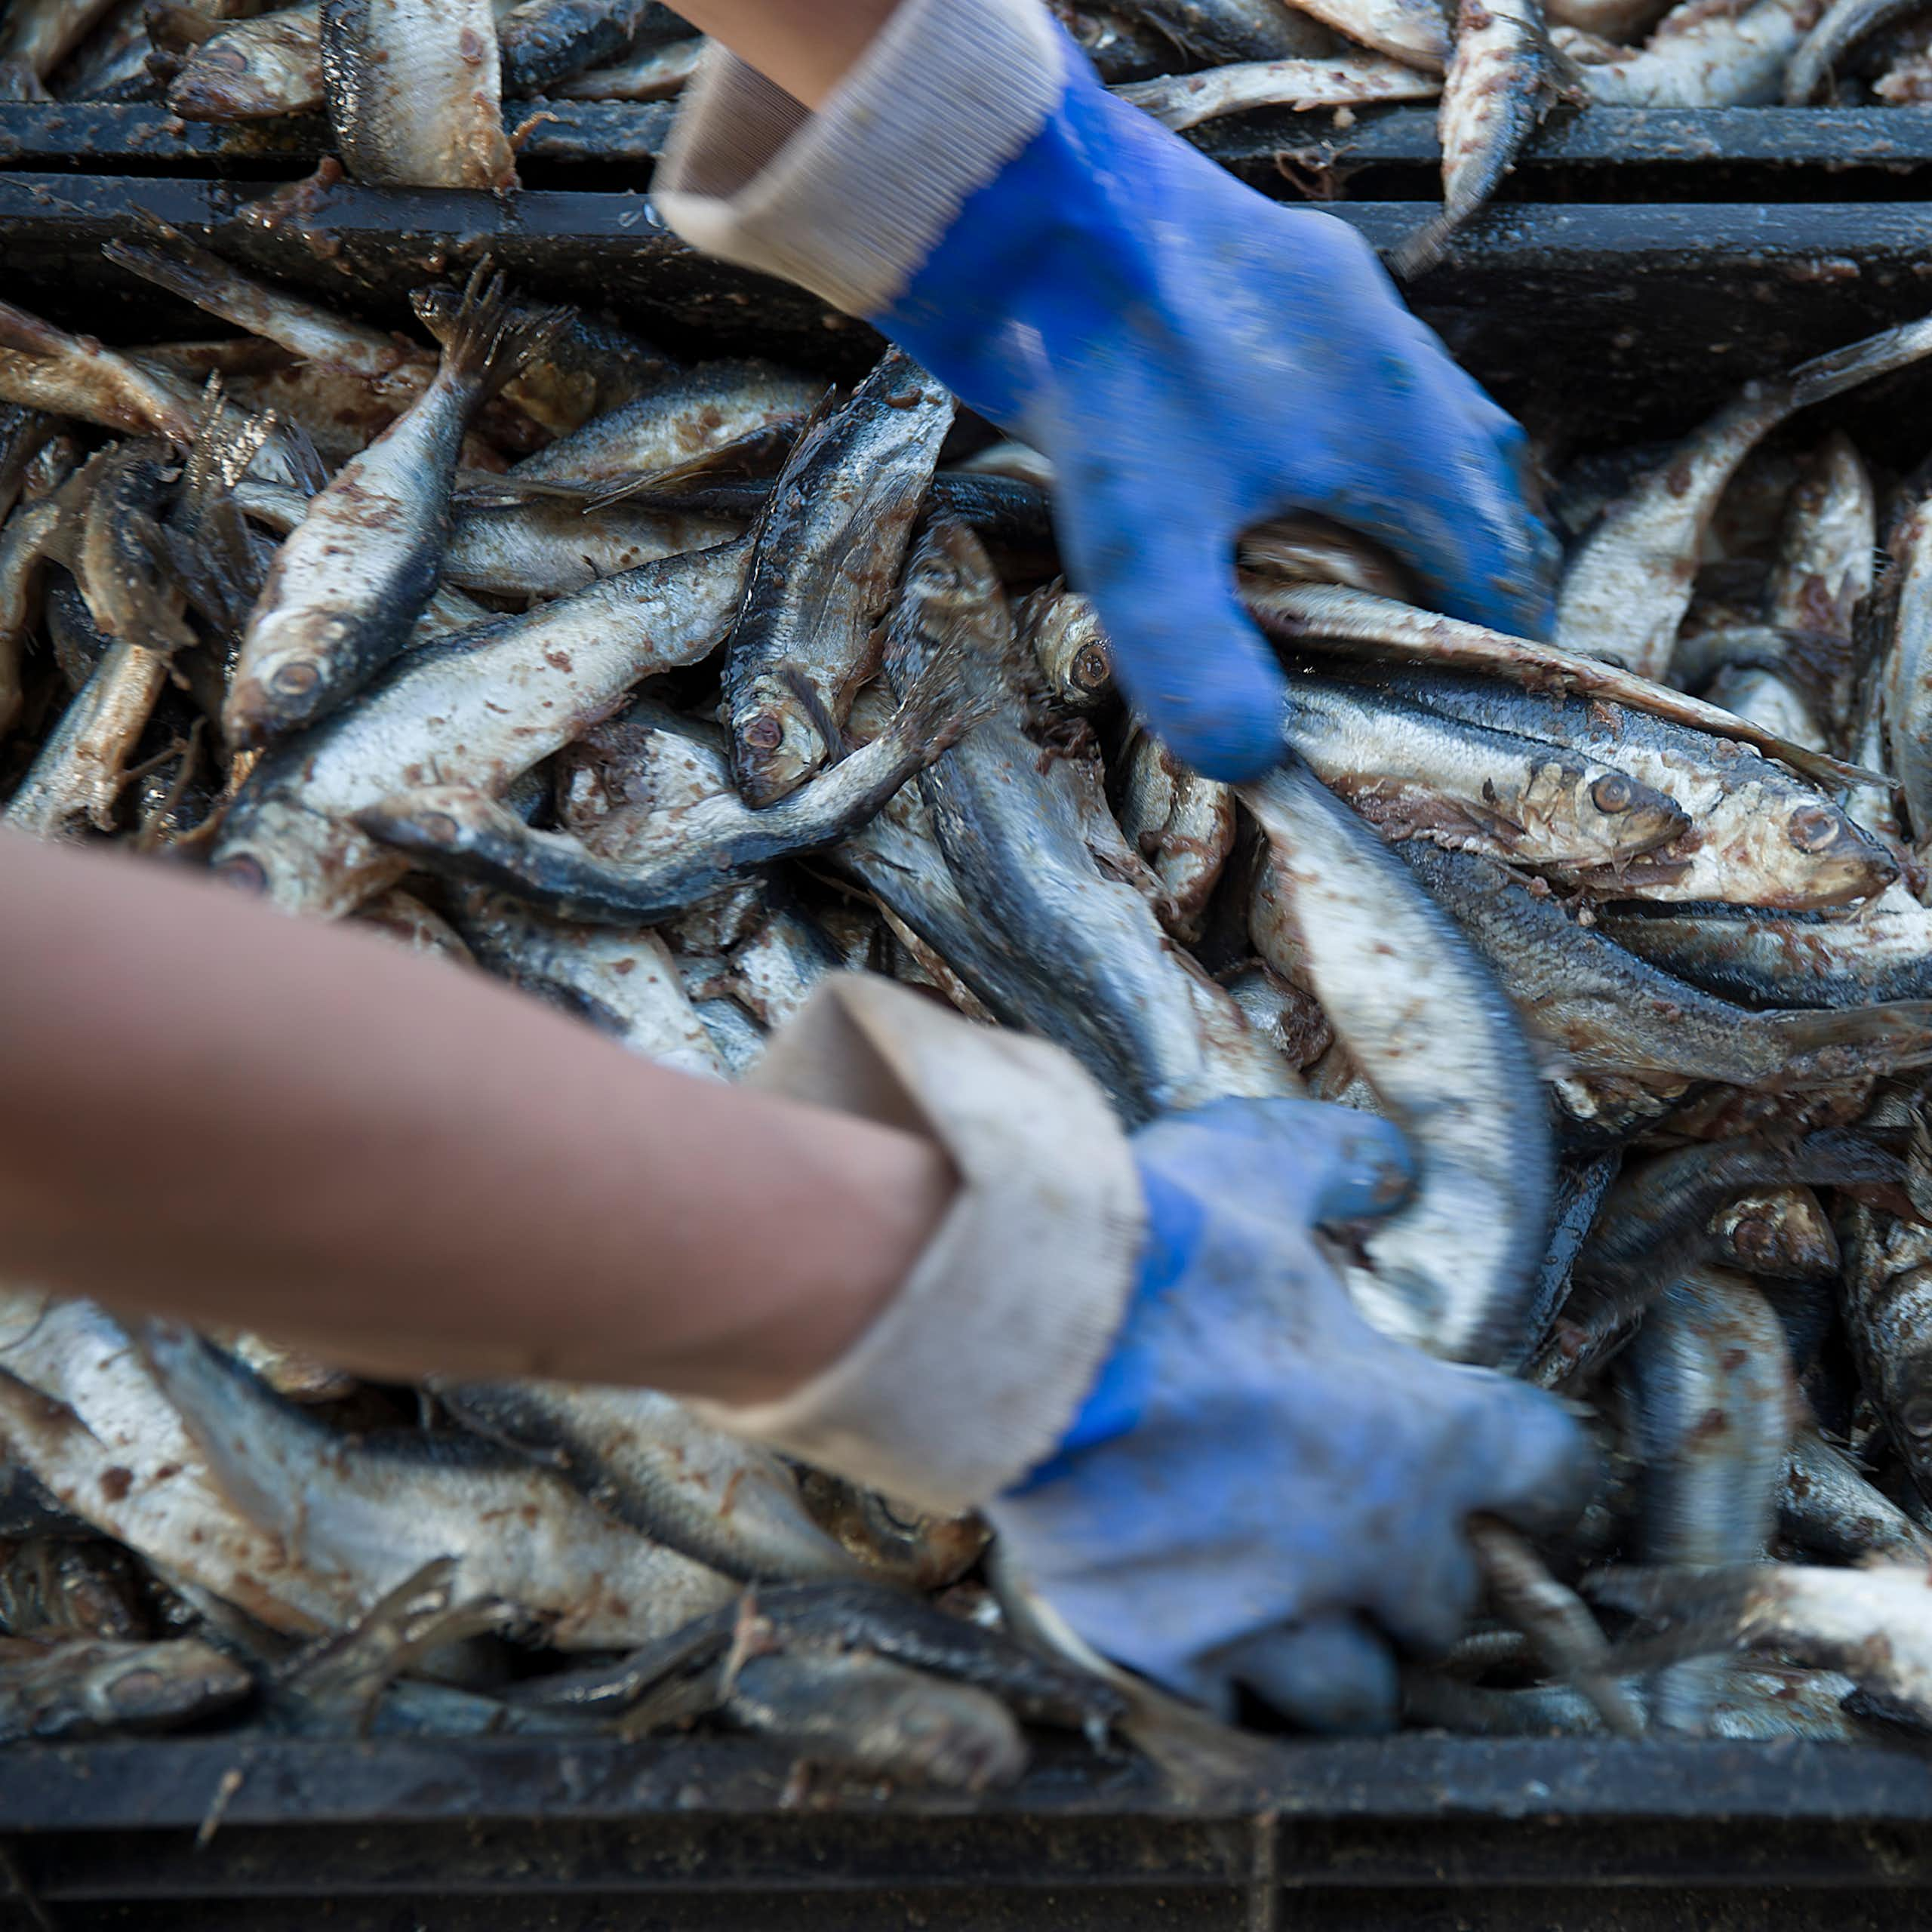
(1640, 318)
(1401, 1832)
(1846, 153)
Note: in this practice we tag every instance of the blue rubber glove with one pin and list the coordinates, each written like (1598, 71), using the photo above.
(1261, 1488)
(1195, 358)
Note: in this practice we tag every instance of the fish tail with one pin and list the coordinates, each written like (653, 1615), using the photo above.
(1423, 248)
(1856, 1040)
(1841, 369)
(483, 344)
(203, 280)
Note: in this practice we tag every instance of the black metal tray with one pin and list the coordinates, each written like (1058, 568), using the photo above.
(1639, 318)
(709, 1833)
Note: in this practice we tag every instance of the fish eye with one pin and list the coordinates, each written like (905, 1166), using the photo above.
(1612, 792)
(1917, 1416)
(244, 873)
(438, 826)
(1812, 828)
(1092, 668)
(297, 679)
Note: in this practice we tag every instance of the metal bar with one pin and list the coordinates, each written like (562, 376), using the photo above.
(1897, 139)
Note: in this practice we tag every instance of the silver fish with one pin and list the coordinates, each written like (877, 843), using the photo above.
(1781, 1232)
(826, 554)
(1612, 1013)
(86, 1685)
(73, 783)
(1118, 43)
(1215, 31)
(348, 583)
(40, 34)
(1826, 1505)
(414, 93)
(1629, 583)
(370, 1511)
(254, 69)
(1061, 629)
(1353, 79)
(543, 40)
(1504, 77)
(1869, 1623)
(1454, 1268)
(1465, 777)
(1701, 56)
(1709, 1391)
(1181, 824)
(50, 1587)
(649, 864)
(1020, 834)
(652, 73)
(1887, 1306)
(623, 983)
(480, 709)
(646, 1459)
(1843, 24)
(1411, 31)
(684, 415)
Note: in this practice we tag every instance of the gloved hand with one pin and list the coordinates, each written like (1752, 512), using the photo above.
(1260, 1487)
(1195, 358)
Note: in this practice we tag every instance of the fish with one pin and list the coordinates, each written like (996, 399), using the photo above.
(1841, 27)
(254, 69)
(111, 64)
(647, 864)
(370, 1510)
(1703, 55)
(1453, 1268)
(543, 40)
(1868, 1623)
(1217, 31)
(1709, 1391)
(83, 1686)
(650, 73)
(685, 413)
(644, 1459)
(1413, 32)
(74, 782)
(1829, 1508)
(1826, 569)
(1612, 20)
(1655, 1223)
(1181, 824)
(1352, 79)
(775, 968)
(480, 707)
(1755, 834)
(826, 553)
(529, 549)
(414, 93)
(40, 34)
(1629, 583)
(1458, 776)
(1905, 672)
(348, 583)
(50, 1587)
(1887, 1308)
(1035, 857)
(333, 1688)
(1337, 617)
(1503, 78)
(1780, 1232)
(1578, 1198)
(1609, 1012)
(78, 1407)
(1070, 649)
(623, 983)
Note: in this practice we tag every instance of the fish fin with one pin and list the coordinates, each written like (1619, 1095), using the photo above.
(483, 343)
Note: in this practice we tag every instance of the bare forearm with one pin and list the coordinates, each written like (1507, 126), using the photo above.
(805, 46)
(211, 1111)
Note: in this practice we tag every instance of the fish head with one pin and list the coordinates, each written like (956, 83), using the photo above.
(282, 681)
(299, 860)
(1601, 814)
(1838, 862)
(1781, 1233)
(154, 1683)
(1070, 648)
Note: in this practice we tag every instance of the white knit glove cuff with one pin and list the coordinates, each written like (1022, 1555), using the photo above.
(972, 1373)
(850, 201)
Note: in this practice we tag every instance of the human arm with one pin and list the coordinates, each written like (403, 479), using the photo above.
(211, 1111)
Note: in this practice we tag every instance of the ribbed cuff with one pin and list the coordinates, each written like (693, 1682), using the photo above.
(970, 1376)
(850, 201)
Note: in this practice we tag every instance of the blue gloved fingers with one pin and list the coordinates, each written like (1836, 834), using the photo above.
(1537, 1464)
(1332, 1674)
(1341, 1164)
(1161, 578)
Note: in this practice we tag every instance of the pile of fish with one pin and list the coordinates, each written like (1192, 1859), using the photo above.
(662, 690)
(415, 93)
